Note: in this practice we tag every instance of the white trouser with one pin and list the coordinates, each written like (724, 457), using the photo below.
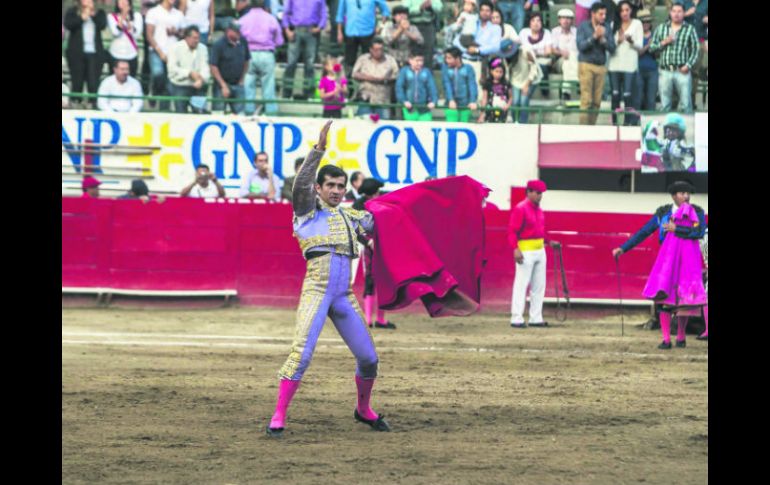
(530, 273)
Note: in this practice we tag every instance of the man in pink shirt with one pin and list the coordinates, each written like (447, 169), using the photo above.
(262, 33)
(526, 234)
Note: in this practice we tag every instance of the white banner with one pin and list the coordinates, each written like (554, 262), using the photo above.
(398, 153)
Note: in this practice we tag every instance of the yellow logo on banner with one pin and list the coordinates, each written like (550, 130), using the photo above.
(343, 145)
(166, 140)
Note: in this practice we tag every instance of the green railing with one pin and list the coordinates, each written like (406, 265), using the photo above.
(538, 114)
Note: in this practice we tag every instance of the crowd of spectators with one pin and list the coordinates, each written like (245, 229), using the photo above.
(496, 55)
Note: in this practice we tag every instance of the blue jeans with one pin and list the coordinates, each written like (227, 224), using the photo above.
(649, 89)
(175, 90)
(683, 82)
(621, 86)
(304, 45)
(513, 13)
(519, 99)
(262, 66)
(236, 92)
(365, 110)
(159, 79)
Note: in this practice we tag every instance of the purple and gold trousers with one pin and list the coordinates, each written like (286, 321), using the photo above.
(326, 292)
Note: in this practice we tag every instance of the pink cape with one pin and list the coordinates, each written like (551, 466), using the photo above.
(429, 244)
(676, 278)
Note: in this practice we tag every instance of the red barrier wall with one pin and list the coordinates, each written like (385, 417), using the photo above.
(190, 244)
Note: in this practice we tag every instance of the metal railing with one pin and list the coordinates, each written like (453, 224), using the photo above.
(538, 114)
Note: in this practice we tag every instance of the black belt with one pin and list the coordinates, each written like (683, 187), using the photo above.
(315, 254)
(671, 68)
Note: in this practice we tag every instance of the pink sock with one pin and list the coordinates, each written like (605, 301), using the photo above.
(381, 316)
(665, 326)
(706, 319)
(368, 306)
(681, 326)
(286, 392)
(364, 394)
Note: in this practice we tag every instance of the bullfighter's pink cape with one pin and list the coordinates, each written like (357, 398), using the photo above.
(429, 244)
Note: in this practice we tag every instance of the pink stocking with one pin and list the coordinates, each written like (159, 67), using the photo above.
(285, 394)
(368, 306)
(665, 326)
(364, 395)
(681, 326)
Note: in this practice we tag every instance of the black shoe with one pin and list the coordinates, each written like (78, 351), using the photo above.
(274, 432)
(664, 345)
(378, 424)
(519, 325)
(384, 325)
(681, 343)
(538, 324)
(702, 337)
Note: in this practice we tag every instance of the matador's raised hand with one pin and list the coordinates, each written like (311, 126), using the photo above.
(323, 136)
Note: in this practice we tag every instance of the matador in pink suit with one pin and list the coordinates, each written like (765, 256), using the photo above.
(676, 279)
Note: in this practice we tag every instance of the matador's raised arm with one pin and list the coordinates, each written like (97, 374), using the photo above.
(303, 193)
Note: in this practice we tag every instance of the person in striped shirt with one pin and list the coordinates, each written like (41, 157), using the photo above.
(676, 44)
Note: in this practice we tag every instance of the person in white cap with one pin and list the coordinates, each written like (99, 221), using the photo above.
(564, 38)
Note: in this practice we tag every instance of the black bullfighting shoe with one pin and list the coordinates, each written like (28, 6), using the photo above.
(681, 343)
(388, 325)
(538, 324)
(519, 325)
(664, 345)
(378, 424)
(273, 432)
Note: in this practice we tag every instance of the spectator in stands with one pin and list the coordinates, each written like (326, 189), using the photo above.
(624, 62)
(164, 24)
(564, 38)
(120, 84)
(332, 88)
(139, 190)
(205, 184)
(90, 186)
(199, 13)
(188, 68)
(400, 36)
(424, 14)
(263, 35)
(359, 19)
(229, 64)
(466, 24)
(126, 29)
(356, 179)
(416, 89)
(513, 12)
(375, 73)
(144, 78)
(460, 89)
(224, 13)
(594, 42)
(288, 182)
(488, 37)
(261, 182)
(496, 93)
(302, 21)
(696, 14)
(648, 67)
(509, 45)
(539, 39)
(525, 74)
(85, 51)
(676, 45)
(583, 10)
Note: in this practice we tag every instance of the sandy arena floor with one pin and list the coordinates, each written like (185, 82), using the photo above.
(168, 396)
